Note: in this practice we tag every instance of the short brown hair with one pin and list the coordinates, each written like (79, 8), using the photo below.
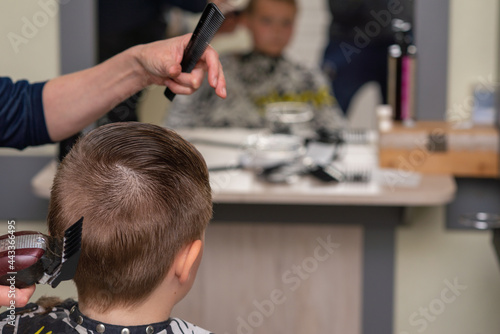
(252, 3)
(144, 193)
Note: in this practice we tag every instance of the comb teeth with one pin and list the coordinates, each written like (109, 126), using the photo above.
(71, 254)
(210, 22)
(72, 240)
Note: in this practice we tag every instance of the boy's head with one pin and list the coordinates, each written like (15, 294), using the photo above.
(271, 24)
(144, 194)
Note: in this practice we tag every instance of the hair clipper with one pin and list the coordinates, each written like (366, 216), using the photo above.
(29, 257)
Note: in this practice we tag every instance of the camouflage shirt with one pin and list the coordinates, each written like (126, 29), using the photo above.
(66, 318)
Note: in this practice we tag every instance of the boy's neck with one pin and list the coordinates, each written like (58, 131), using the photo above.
(128, 317)
(155, 308)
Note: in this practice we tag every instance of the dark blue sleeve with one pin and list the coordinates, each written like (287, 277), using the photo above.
(22, 119)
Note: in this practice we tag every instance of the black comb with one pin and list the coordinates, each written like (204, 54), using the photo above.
(72, 243)
(209, 23)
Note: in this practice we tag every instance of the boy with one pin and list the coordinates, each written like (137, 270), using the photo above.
(145, 197)
(260, 77)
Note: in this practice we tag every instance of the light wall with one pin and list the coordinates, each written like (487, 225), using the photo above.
(29, 44)
(430, 259)
(473, 52)
(29, 39)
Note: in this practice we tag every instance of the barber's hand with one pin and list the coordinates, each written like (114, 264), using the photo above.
(161, 60)
(22, 296)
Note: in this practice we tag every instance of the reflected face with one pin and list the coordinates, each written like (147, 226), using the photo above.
(271, 24)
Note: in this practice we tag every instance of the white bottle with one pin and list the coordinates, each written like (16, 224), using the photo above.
(384, 117)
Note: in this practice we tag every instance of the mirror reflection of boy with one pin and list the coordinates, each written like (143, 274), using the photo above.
(145, 197)
(260, 77)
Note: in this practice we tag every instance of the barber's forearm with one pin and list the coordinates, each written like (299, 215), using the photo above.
(73, 101)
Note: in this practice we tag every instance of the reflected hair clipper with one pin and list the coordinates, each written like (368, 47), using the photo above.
(29, 257)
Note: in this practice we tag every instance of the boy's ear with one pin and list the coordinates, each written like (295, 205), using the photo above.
(187, 260)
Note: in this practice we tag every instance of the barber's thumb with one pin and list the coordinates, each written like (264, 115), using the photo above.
(174, 70)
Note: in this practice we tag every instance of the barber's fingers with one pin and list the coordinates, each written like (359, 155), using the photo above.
(187, 83)
(215, 72)
(20, 296)
(23, 295)
(168, 71)
(179, 88)
(210, 60)
(220, 89)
